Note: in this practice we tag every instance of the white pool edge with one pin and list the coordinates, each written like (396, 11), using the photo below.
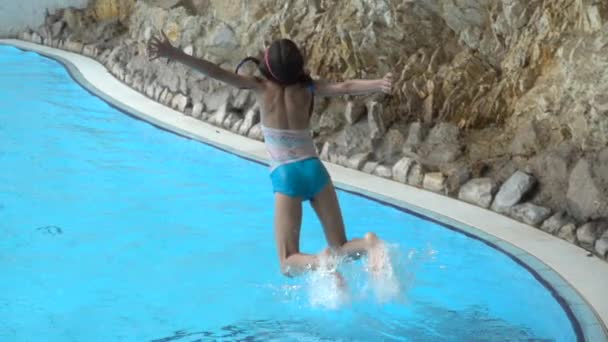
(581, 281)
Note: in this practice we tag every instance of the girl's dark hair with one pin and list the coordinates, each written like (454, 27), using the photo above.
(282, 63)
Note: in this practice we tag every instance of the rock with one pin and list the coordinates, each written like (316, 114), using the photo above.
(370, 166)
(57, 28)
(332, 119)
(179, 102)
(416, 175)
(530, 213)
(587, 193)
(252, 117)
(220, 115)
(568, 233)
(325, 151)
(383, 171)
(456, 177)
(375, 120)
(512, 191)
(416, 134)
(230, 121)
(197, 110)
(390, 146)
(601, 245)
(444, 133)
(189, 50)
(555, 222)
(353, 140)
(478, 191)
(357, 161)
(552, 168)
(353, 112)
(237, 124)
(434, 181)
(525, 142)
(256, 132)
(591, 231)
(401, 169)
(150, 90)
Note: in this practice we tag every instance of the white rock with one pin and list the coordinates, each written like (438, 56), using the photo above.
(383, 171)
(357, 161)
(401, 169)
(434, 181)
(530, 213)
(416, 175)
(512, 191)
(370, 166)
(478, 191)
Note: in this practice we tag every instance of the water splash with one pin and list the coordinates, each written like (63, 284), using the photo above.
(388, 284)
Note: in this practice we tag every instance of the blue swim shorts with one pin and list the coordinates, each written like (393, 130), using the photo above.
(304, 178)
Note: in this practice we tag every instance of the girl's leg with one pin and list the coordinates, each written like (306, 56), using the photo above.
(328, 210)
(288, 219)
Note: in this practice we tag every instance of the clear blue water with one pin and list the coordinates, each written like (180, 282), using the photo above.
(113, 230)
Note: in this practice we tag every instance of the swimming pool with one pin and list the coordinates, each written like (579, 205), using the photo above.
(114, 230)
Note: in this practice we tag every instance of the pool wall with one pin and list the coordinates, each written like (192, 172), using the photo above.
(576, 280)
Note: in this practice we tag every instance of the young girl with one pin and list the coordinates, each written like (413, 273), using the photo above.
(285, 93)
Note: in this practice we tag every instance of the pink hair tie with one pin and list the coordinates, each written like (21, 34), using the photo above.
(268, 65)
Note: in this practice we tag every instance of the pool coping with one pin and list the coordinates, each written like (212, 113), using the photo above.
(574, 279)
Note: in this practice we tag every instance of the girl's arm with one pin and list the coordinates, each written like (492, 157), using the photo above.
(355, 87)
(163, 48)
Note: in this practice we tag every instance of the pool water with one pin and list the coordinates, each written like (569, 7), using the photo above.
(114, 230)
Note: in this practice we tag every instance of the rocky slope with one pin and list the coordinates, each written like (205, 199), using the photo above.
(501, 103)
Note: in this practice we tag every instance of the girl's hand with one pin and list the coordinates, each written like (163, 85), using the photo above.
(386, 84)
(161, 48)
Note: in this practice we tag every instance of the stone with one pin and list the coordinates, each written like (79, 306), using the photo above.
(587, 197)
(325, 150)
(220, 115)
(478, 191)
(150, 90)
(568, 233)
(391, 146)
(370, 166)
(525, 142)
(252, 117)
(416, 175)
(591, 231)
(189, 50)
(332, 119)
(456, 177)
(530, 213)
(357, 161)
(353, 112)
(179, 102)
(383, 171)
(235, 127)
(434, 181)
(555, 222)
(512, 191)
(416, 134)
(444, 134)
(402, 168)
(230, 120)
(601, 245)
(197, 110)
(353, 139)
(256, 132)
(375, 120)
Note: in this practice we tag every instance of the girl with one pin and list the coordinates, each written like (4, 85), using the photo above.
(285, 93)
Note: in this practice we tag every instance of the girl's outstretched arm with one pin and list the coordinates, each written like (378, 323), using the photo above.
(355, 87)
(163, 48)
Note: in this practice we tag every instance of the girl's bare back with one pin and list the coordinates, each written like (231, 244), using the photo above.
(285, 107)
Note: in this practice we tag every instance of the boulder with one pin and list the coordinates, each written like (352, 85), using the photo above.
(512, 191)
(553, 224)
(529, 213)
(478, 191)
(588, 233)
(587, 190)
(601, 245)
(434, 181)
(402, 168)
(568, 233)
